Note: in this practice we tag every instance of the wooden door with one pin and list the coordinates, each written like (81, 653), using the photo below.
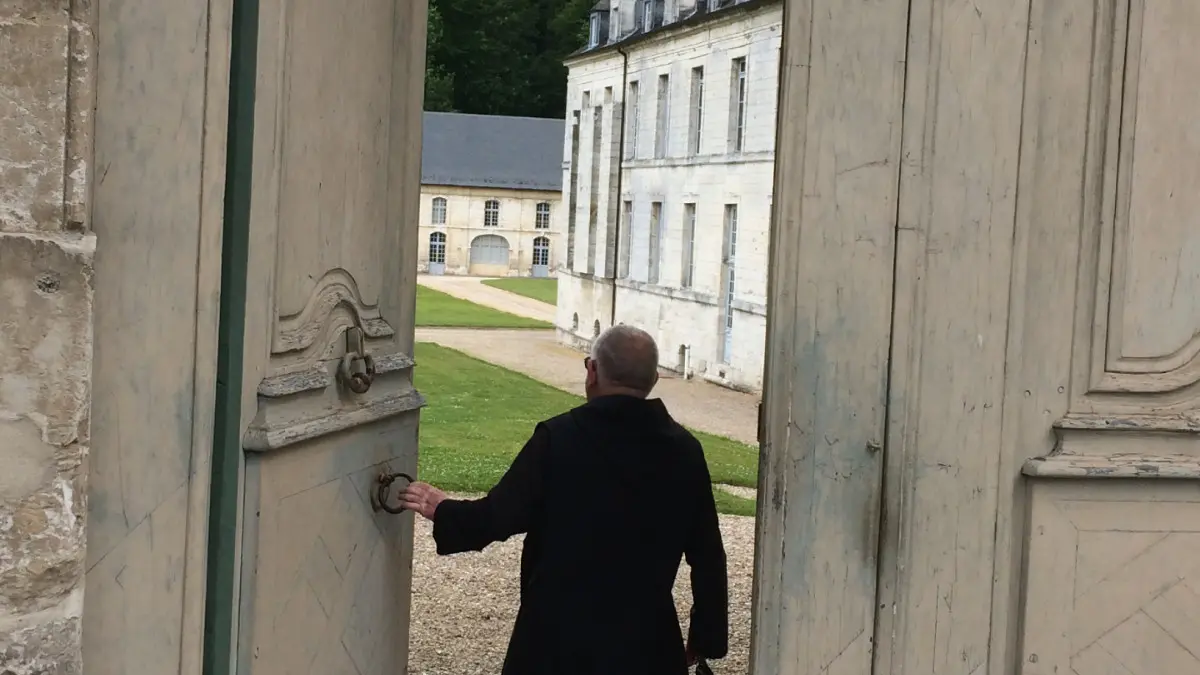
(323, 580)
(829, 333)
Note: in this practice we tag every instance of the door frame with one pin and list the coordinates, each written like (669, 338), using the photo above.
(223, 518)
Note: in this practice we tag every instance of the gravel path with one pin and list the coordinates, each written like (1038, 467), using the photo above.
(536, 353)
(473, 289)
(463, 606)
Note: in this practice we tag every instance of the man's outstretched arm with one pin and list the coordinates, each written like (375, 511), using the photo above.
(708, 630)
(508, 509)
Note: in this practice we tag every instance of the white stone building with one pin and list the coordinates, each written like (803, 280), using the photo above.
(490, 187)
(667, 180)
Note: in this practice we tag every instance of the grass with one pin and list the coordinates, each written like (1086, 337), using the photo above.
(545, 290)
(479, 416)
(440, 310)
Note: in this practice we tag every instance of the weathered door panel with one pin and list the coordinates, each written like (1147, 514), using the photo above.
(829, 326)
(324, 579)
(957, 205)
(157, 185)
(330, 576)
(1112, 577)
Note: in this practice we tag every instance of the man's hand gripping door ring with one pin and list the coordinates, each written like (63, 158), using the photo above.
(379, 496)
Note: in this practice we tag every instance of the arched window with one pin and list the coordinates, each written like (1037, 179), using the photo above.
(437, 247)
(491, 213)
(543, 216)
(438, 211)
(541, 251)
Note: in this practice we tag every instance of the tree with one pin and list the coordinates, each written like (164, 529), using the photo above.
(502, 57)
(439, 84)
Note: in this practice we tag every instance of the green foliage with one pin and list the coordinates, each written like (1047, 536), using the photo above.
(502, 57)
(440, 310)
(479, 416)
(545, 290)
(439, 83)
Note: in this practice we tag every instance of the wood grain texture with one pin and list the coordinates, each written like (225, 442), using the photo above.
(160, 126)
(829, 324)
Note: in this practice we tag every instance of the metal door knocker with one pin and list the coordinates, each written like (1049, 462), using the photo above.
(379, 497)
(357, 369)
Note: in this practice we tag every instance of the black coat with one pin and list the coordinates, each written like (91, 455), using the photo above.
(611, 495)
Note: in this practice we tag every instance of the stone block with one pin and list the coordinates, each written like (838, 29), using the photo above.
(47, 648)
(45, 359)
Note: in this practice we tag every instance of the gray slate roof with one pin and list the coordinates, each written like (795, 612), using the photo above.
(523, 153)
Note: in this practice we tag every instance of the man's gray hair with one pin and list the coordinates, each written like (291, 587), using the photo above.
(626, 357)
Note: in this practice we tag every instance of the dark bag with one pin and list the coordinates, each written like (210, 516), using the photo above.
(702, 667)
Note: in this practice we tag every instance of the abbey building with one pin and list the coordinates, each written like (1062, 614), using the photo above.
(667, 180)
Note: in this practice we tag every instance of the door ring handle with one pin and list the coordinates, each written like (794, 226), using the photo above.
(379, 497)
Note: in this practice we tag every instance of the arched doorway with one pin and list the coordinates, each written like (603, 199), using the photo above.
(541, 257)
(489, 255)
(437, 253)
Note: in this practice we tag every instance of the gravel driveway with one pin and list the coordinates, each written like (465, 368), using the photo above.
(463, 606)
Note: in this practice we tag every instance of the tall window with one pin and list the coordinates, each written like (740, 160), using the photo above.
(632, 131)
(728, 282)
(594, 30)
(626, 244)
(737, 106)
(541, 251)
(491, 213)
(664, 116)
(647, 15)
(689, 245)
(655, 241)
(697, 117)
(542, 219)
(437, 248)
(438, 211)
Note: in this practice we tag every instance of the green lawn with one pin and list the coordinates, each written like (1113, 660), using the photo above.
(545, 290)
(479, 415)
(437, 309)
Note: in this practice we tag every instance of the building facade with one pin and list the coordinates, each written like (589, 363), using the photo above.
(669, 159)
(490, 187)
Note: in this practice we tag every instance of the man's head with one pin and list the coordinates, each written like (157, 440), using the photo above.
(624, 360)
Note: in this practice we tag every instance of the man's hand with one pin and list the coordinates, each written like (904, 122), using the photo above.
(422, 498)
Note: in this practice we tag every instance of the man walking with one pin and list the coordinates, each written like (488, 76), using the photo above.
(611, 495)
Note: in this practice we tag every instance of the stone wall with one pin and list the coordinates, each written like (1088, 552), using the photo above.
(46, 253)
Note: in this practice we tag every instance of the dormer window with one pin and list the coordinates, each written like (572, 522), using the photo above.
(594, 30)
(647, 15)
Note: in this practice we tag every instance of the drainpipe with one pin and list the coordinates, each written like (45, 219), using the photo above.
(612, 319)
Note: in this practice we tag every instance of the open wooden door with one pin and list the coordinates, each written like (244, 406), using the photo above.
(829, 335)
(321, 580)
(1006, 301)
